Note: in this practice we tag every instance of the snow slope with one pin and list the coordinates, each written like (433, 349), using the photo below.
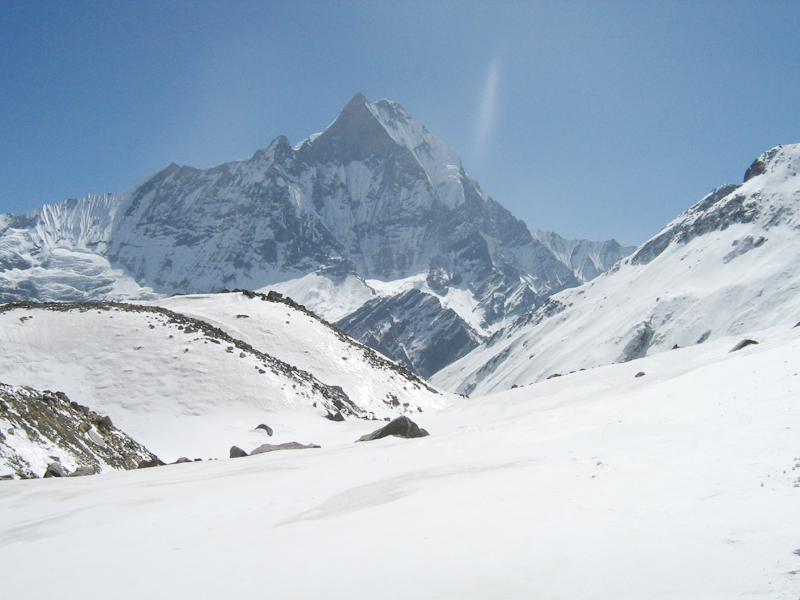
(183, 387)
(681, 483)
(727, 266)
(282, 329)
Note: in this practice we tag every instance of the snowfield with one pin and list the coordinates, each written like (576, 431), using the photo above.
(681, 483)
(181, 391)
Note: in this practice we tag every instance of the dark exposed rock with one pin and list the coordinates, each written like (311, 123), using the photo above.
(742, 344)
(287, 446)
(394, 326)
(155, 462)
(401, 427)
(237, 452)
(55, 470)
(639, 374)
(759, 165)
(50, 421)
(84, 471)
(638, 344)
(716, 212)
(6, 477)
(742, 246)
(183, 459)
(337, 416)
(104, 421)
(266, 428)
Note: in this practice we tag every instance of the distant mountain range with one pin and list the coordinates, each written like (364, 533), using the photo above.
(727, 266)
(371, 209)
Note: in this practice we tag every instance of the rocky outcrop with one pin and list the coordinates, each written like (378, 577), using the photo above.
(743, 344)
(401, 427)
(286, 446)
(44, 434)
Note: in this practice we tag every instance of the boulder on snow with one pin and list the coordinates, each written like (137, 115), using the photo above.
(146, 464)
(742, 344)
(639, 374)
(266, 428)
(183, 459)
(337, 416)
(83, 472)
(55, 470)
(237, 452)
(400, 427)
(287, 446)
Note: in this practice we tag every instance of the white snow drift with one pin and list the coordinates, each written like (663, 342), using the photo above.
(681, 483)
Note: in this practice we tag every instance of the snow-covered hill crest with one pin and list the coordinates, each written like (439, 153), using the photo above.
(208, 369)
(728, 265)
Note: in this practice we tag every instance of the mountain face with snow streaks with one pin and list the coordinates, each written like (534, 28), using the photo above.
(726, 266)
(375, 196)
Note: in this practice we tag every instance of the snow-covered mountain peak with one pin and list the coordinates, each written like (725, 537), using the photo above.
(441, 163)
(374, 196)
(355, 136)
(781, 161)
(365, 132)
(768, 197)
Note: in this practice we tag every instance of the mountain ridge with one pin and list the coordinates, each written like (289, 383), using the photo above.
(725, 266)
(375, 195)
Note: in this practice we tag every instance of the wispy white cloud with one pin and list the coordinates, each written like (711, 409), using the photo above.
(488, 108)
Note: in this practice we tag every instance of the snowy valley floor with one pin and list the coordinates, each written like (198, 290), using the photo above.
(678, 484)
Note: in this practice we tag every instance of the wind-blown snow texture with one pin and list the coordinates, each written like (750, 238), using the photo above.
(678, 484)
(728, 265)
(376, 195)
(182, 385)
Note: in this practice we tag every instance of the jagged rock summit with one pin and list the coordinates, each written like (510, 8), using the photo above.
(374, 197)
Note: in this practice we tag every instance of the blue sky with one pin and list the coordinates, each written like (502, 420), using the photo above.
(591, 119)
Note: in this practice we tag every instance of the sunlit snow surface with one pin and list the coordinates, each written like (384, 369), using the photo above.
(676, 484)
(180, 393)
(728, 265)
